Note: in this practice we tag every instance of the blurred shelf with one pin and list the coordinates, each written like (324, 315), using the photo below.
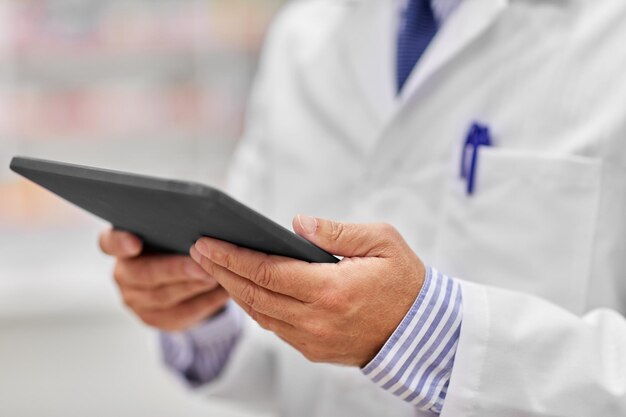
(69, 43)
(92, 68)
(184, 157)
(139, 24)
(102, 113)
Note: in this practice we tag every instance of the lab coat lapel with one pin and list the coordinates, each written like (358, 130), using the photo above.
(368, 41)
(367, 44)
(463, 26)
(467, 22)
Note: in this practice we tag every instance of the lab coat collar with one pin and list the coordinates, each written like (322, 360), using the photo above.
(370, 36)
(465, 24)
(368, 46)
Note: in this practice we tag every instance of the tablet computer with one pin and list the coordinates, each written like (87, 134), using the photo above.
(168, 215)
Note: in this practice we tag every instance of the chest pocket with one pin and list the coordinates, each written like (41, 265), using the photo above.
(529, 226)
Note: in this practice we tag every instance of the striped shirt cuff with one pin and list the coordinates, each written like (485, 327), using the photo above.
(199, 354)
(416, 362)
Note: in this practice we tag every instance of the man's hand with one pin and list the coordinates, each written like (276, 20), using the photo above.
(167, 292)
(336, 313)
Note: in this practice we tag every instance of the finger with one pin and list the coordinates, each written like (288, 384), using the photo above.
(184, 315)
(157, 270)
(165, 297)
(291, 277)
(346, 239)
(260, 299)
(268, 323)
(287, 333)
(120, 244)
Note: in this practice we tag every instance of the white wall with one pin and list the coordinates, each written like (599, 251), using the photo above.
(92, 365)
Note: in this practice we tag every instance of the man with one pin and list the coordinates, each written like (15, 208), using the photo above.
(490, 134)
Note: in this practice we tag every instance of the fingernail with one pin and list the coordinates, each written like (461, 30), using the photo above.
(308, 224)
(193, 270)
(203, 248)
(195, 255)
(129, 245)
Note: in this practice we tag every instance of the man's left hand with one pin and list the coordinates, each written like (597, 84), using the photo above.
(336, 313)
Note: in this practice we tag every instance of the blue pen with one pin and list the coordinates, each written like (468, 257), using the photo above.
(477, 136)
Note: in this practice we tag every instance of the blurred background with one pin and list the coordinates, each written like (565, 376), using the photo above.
(150, 86)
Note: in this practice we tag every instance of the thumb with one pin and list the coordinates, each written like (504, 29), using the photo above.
(344, 239)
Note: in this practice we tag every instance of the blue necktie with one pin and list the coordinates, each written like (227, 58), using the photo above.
(417, 29)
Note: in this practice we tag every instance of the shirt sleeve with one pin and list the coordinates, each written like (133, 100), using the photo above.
(416, 362)
(198, 355)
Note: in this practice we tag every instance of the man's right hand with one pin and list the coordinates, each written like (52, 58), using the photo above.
(169, 292)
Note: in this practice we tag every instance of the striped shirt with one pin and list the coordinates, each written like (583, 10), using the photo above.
(416, 362)
(198, 355)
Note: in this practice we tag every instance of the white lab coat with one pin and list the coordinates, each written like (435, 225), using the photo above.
(540, 246)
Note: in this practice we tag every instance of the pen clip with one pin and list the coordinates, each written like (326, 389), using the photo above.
(477, 136)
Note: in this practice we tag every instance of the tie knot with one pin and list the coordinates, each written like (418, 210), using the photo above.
(414, 10)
